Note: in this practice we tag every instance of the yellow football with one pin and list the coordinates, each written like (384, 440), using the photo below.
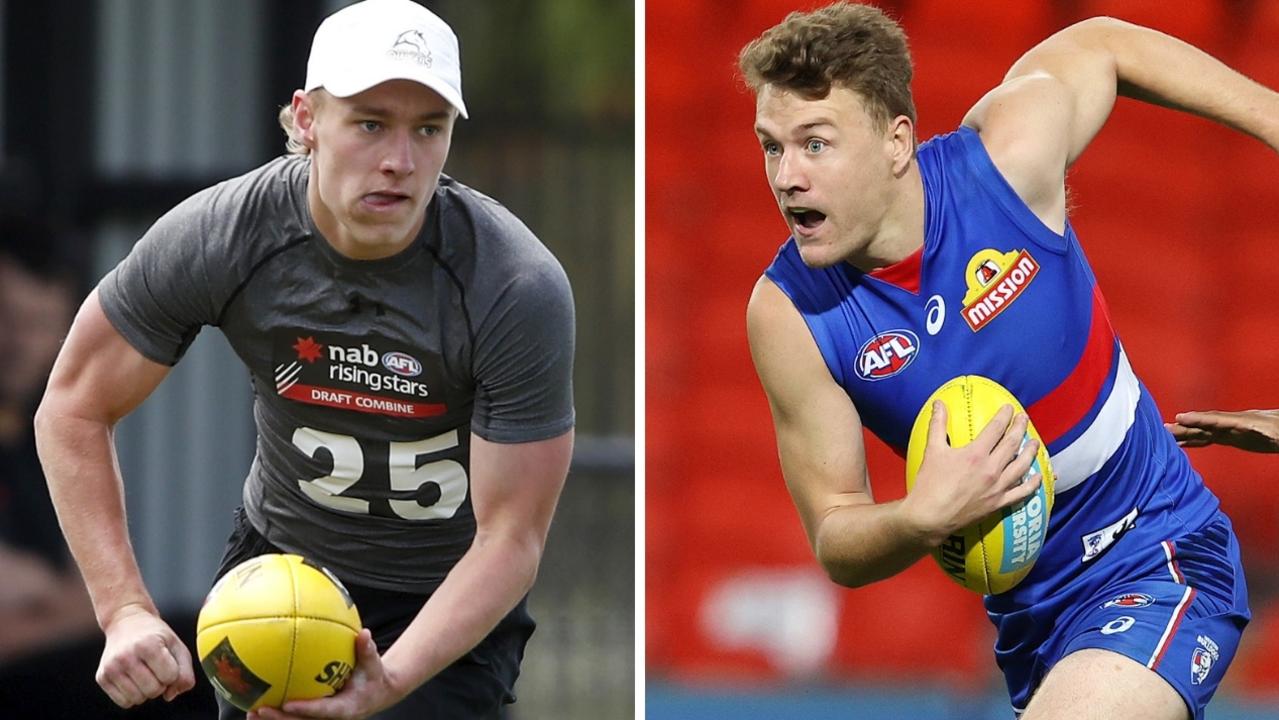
(994, 554)
(277, 628)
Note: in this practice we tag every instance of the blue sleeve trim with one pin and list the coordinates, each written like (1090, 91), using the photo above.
(997, 186)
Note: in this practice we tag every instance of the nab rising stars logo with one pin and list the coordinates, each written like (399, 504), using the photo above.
(886, 354)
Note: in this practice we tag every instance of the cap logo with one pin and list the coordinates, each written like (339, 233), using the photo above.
(411, 45)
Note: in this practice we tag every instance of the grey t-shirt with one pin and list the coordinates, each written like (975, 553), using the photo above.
(368, 376)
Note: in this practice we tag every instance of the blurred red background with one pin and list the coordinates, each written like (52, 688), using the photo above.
(1177, 215)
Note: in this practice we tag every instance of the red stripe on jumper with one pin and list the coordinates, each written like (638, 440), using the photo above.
(1060, 410)
(904, 273)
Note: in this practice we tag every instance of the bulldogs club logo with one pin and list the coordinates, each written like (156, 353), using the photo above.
(1098, 542)
(886, 354)
(994, 281)
(1203, 658)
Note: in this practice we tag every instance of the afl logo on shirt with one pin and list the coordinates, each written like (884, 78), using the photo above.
(402, 364)
(886, 354)
(994, 281)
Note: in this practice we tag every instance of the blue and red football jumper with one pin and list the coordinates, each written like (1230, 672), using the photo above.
(995, 292)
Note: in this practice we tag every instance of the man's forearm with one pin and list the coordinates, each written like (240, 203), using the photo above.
(487, 582)
(84, 483)
(860, 544)
(1157, 68)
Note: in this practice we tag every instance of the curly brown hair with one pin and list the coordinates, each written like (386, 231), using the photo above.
(850, 45)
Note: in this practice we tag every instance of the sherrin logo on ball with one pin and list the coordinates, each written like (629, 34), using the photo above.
(994, 554)
(277, 628)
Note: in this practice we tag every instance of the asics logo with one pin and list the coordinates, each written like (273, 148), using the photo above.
(934, 314)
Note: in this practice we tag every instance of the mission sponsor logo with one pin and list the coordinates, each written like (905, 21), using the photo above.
(886, 354)
(994, 281)
(367, 375)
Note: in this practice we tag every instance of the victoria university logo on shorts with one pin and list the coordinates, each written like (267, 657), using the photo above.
(369, 375)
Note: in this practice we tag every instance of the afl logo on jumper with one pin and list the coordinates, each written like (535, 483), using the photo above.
(402, 364)
(886, 354)
(994, 281)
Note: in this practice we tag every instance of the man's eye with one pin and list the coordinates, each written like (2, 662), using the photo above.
(369, 125)
(816, 146)
(771, 148)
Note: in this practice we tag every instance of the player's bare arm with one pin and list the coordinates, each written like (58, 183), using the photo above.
(1057, 96)
(514, 489)
(98, 379)
(819, 440)
(1252, 430)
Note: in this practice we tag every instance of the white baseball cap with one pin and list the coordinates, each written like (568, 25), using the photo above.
(373, 41)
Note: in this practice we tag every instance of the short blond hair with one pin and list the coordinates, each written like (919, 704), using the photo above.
(293, 142)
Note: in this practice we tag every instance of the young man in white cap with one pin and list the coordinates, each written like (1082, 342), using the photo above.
(410, 344)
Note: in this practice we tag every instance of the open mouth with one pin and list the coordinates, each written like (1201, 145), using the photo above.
(805, 218)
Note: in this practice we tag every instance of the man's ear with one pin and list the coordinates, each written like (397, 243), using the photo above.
(902, 140)
(304, 107)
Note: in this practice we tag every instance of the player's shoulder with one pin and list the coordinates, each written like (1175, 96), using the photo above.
(480, 235)
(272, 193)
(246, 216)
(467, 212)
(771, 315)
(950, 152)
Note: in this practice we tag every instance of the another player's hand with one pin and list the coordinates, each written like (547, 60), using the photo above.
(956, 486)
(1253, 430)
(143, 659)
(369, 689)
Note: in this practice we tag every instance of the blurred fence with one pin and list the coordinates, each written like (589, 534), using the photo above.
(580, 664)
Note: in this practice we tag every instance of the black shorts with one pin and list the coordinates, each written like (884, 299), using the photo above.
(477, 686)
